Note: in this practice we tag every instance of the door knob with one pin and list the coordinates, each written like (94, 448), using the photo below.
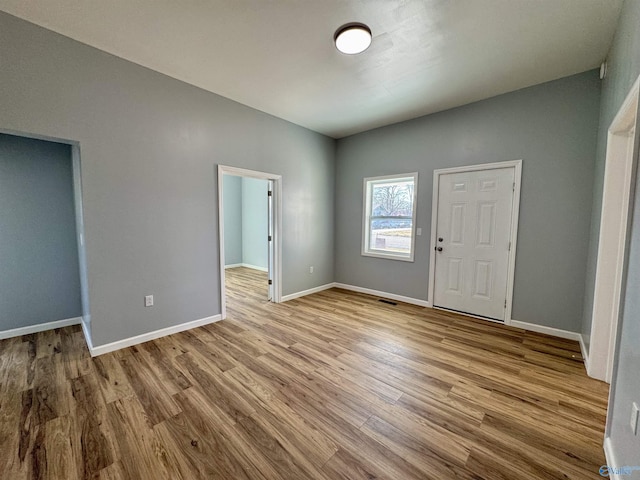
(439, 249)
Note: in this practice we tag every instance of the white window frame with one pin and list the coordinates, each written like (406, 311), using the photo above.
(366, 214)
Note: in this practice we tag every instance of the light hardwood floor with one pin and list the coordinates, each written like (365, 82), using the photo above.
(331, 386)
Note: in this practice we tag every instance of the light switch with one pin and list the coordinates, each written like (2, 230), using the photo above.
(418, 231)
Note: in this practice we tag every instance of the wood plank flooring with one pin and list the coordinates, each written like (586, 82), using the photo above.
(335, 385)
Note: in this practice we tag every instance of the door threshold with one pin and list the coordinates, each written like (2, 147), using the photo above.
(472, 315)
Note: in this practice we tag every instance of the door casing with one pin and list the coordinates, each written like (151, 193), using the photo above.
(617, 197)
(517, 166)
(270, 242)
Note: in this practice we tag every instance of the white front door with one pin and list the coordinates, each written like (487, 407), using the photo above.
(473, 232)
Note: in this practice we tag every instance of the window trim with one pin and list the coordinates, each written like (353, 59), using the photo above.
(366, 215)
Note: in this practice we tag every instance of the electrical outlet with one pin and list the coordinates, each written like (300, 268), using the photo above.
(310, 269)
(148, 301)
(634, 418)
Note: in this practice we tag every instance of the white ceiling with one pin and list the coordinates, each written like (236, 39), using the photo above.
(278, 55)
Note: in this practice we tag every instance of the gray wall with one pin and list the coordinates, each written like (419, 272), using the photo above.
(552, 127)
(232, 201)
(254, 222)
(150, 145)
(625, 385)
(39, 273)
(624, 68)
(245, 221)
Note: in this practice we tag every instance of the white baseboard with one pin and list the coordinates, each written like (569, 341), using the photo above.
(585, 355)
(255, 267)
(246, 265)
(555, 332)
(378, 293)
(41, 327)
(145, 337)
(303, 293)
(611, 461)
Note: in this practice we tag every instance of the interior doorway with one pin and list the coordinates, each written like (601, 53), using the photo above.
(620, 166)
(474, 231)
(249, 234)
(43, 282)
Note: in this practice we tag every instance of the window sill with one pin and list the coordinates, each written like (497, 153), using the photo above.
(388, 256)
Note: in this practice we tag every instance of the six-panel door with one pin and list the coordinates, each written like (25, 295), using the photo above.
(472, 241)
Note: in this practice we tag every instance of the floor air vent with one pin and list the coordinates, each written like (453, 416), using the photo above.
(387, 301)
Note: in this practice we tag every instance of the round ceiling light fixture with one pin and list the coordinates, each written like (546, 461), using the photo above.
(352, 38)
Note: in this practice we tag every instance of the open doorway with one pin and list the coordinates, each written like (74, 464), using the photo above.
(43, 283)
(249, 234)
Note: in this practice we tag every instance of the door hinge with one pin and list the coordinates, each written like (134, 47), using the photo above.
(509, 246)
(505, 301)
(269, 238)
(270, 282)
(514, 186)
(269, 193)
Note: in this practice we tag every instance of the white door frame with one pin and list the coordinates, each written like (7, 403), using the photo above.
(622, 150)
(277, 228)
(515, 212)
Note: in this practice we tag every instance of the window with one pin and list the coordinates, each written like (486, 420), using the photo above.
(390, 216)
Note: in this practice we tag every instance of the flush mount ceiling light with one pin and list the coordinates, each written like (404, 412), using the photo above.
(352, 38)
